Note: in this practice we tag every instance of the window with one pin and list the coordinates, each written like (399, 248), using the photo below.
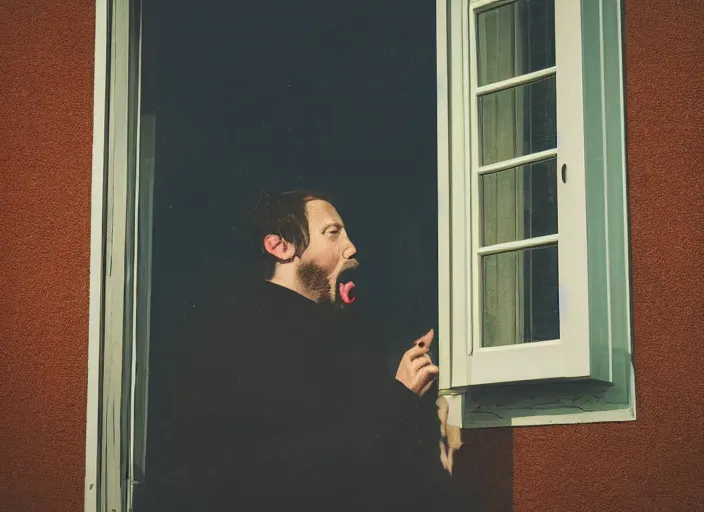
(533, 245)
(533, 280)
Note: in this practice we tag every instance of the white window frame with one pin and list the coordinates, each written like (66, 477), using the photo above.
(592, 356)
(568, 355)
(111, 432)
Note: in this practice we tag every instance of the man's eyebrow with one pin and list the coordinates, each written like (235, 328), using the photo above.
(332, 225)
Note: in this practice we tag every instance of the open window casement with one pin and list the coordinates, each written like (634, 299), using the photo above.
(533, 247)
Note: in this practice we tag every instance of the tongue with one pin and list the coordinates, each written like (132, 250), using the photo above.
(345, 289)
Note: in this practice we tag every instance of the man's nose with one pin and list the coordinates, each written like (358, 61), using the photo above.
(349, 251)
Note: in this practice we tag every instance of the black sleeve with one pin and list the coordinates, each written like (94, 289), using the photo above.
(390, 452)
(387, 450)
(413, 448)
(385, 459)
(400, 439)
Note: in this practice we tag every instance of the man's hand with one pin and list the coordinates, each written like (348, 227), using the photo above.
(450, 435)
(416, 371)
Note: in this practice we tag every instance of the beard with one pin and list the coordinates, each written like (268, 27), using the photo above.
(316, 281)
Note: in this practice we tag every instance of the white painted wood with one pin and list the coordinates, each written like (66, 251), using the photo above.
(605, 172)
(522, 347)
(474, 284)
(454, 415)
(97, 237)
(117, 299)
(517, 245)
(617, 415)
(512, 363)
(459, 200)
(516, 81)
(443, 171)
(567, 357)
(517, 162)
(488, 4)
(572, 209)
(515, 363)
(627, 274)
(142, 274)
(550, 407)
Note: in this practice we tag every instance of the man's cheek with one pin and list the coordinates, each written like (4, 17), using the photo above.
(331, 266)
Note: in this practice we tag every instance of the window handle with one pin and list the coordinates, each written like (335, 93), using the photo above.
(564, 173)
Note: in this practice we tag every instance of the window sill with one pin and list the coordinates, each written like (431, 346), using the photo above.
(565, 403)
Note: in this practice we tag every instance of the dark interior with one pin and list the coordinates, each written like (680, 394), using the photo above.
(252, 95)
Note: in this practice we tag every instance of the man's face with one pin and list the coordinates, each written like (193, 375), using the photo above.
(329, 252)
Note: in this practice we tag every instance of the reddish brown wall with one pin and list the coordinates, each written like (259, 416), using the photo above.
(655, 463)
(46, 111)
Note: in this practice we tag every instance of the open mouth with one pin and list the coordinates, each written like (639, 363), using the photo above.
(347, 292)
(346, 289)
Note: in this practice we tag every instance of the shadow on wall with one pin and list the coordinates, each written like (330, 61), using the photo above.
(483, 470)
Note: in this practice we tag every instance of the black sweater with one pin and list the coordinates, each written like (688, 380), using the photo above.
(287, 402)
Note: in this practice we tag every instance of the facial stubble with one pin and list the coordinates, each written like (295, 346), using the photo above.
(316, 281)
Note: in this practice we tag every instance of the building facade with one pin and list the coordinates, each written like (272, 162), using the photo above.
(48, 56)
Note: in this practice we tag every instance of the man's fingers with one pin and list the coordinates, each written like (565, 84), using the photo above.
(431, 369)
(415, 352)
(425, 340)
(427, 376)
(420, 346)
(443, 456)
(420, 362)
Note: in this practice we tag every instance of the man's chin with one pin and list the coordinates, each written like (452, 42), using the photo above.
(331, 297)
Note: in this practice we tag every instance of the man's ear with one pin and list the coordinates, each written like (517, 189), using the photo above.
(279, 248)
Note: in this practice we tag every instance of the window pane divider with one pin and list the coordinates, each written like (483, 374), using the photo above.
(518, 161)
(516, 81)
(517, 244)
(520, 346)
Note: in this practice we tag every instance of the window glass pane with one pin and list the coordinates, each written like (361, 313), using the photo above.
(515, 39)
(520, 297)
(517, 121)
(519, 203)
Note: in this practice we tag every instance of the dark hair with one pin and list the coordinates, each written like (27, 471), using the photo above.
(283, 214)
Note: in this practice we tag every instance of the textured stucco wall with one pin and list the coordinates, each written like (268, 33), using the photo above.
(655, 463)
(46, 115)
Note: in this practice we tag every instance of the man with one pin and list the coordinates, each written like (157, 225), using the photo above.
(291, 402)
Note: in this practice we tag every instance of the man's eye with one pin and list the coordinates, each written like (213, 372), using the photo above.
(334, 232)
